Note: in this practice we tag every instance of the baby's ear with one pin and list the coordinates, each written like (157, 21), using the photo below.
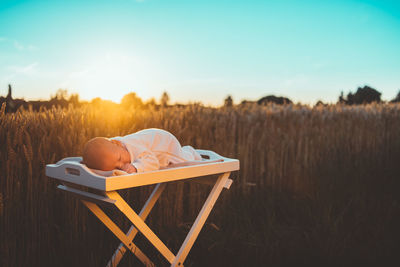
(117, 142)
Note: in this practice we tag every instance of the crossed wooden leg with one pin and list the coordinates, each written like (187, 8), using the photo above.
(138, 224)
(151, 201)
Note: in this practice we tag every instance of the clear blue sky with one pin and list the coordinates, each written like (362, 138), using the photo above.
(199, 50)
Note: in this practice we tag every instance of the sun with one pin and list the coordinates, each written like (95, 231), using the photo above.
(110, 77)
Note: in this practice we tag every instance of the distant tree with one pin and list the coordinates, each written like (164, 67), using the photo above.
(61, 94)
(247, 103)
(151, 102)
(74, 100)
(228, 102)
(274, 99)
(320, 103)
(96, 101)
(10, 103)
(9, 95)
(366, 95)
(397, 98)
(363, 95)
(131, 100)
(350, 98)
(164, 99)
(341, 100)
(57, 100)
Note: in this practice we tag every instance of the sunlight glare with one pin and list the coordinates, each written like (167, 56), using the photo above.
(110, 77)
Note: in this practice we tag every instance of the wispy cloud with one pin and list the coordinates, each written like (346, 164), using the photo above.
(26, 69)
(18, 45)
(19, 72)
(75, 75)
(7, 78)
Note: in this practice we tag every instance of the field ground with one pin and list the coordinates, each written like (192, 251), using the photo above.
(317, 186)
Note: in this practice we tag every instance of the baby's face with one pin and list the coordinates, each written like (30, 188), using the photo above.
(117, 155)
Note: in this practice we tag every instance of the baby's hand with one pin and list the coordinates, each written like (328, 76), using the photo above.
(129, 168)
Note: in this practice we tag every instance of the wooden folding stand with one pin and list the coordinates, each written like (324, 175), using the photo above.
(71, 173)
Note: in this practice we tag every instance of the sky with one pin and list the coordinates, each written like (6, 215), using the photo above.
(199, 51)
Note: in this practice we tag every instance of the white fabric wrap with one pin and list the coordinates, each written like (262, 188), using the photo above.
(151, 149)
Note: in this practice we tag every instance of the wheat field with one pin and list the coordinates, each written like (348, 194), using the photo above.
(317, 185)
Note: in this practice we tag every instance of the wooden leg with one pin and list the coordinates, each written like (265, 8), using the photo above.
(139, 224)
(117, 232)
(200, 220)
(151, 201)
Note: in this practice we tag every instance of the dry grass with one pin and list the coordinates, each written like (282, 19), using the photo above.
(314, 182)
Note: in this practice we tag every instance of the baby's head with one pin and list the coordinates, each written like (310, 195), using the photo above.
(104, 154)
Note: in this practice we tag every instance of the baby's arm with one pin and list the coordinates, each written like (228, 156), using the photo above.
(146, 161)
(129, 168)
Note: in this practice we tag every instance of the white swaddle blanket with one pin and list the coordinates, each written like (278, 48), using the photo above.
(152, 149)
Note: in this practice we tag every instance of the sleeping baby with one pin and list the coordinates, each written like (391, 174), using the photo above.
(146, 150)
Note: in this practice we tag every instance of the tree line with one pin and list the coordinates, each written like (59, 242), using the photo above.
(363, 95)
